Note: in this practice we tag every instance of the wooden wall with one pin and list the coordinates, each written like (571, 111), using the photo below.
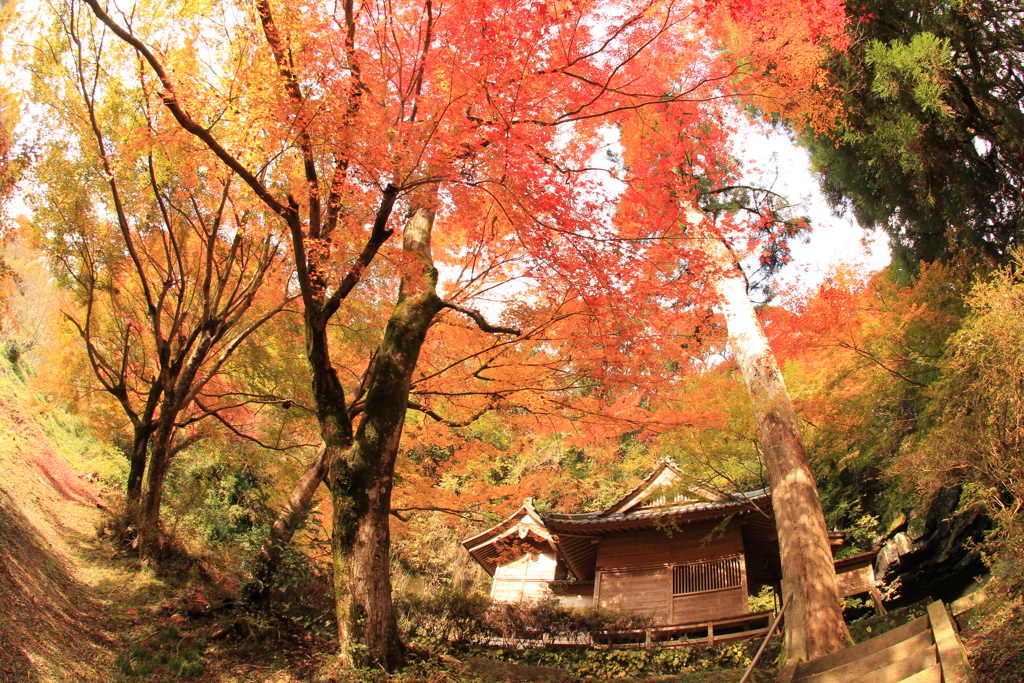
(675, 546)
(641, 590)
(635, 572)
(856, 581)
(525, 578)
(582, 599)
(700, 607)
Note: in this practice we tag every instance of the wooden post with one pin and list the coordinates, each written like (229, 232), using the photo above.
(522, 581)
(876, 597)
(743, 578)
(796, 626)
(671, 608)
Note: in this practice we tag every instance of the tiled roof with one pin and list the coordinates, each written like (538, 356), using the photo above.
(734, 500)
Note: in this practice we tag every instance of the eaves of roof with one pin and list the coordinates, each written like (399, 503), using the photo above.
(594, 520)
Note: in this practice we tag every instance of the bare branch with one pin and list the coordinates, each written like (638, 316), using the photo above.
(479, 319)
(463, 423)
(397, 512)
(864, 353)
(215, 414)
(364, 382)
(378, 236)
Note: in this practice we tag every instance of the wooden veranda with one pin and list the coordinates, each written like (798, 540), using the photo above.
(713, 632)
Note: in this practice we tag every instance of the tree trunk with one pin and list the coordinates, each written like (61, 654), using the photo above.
(130, 525)
(150, 536)
(361, 478)
(137, 467)
(268, 559)
(815, 625)
(143, 432)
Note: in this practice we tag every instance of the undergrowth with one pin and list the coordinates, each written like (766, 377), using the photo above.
(641, 662)
(875, 625)
(994, 633)
(165, 657)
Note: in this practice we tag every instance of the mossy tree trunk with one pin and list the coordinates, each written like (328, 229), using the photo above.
(361, 478)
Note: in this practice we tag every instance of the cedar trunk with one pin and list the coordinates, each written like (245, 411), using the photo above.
(814, 619)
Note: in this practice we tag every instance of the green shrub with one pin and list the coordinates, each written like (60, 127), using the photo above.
(457, 616)
(166, 652)
(444, 615)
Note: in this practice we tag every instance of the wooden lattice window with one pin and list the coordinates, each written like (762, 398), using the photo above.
(700, 577)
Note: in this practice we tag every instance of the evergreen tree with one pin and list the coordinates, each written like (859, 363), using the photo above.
(929, 147)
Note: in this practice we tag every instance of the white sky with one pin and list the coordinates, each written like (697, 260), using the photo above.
(833, 239)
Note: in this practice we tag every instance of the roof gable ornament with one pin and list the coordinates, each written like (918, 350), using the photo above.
(662, 487)
(512, 536)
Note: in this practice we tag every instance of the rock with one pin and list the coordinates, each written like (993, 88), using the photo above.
(934, 553)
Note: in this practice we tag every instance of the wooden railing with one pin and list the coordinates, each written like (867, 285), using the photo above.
(767, 637)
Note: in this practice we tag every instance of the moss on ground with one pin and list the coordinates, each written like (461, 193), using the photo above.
(872, 627)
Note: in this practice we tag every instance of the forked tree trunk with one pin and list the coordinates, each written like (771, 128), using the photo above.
(143, 431)
(814, 619)
(268, 558)
(361, 478)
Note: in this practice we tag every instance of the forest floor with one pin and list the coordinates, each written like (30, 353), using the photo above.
(76, 608)
(73, 607)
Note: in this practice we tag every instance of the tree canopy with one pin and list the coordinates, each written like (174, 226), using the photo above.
(436, 255)
(927, 142)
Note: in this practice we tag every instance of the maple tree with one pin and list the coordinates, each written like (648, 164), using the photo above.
(864, 353)
(450, 113)
(166, 264)
(408, 116)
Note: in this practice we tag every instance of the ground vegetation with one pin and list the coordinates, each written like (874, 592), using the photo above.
(303, 295)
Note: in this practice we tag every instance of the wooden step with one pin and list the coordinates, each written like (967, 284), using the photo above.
(904, 658)
(933, 674)
(869, 647)
(952, 655)
(900, 670)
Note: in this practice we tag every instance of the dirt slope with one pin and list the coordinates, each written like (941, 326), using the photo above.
(74, 608)
(53, 618)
